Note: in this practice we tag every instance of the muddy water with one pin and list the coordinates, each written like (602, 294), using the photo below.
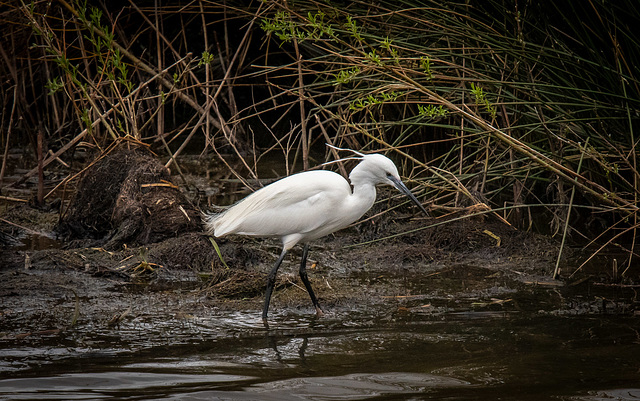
(350, 354)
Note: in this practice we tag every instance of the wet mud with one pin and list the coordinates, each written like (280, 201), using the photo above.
(131, 244)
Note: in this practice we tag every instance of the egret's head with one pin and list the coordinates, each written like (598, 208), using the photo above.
(379, 169)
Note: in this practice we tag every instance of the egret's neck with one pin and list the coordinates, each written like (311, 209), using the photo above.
(364, 193)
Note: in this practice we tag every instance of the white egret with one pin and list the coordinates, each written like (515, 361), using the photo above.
(306, 206)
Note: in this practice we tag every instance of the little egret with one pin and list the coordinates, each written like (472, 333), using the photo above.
(305, 206)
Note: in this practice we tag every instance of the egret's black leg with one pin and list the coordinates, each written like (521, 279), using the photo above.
(271, 281)
(305, 280)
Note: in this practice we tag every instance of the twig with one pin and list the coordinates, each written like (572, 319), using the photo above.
(11, 199)
(27, 230)
(343, 170)
(303, 114)
(556, 272)
(9, 129)
(40, 196)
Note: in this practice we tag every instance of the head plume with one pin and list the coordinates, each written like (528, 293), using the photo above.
(349, 150)
(360, 155)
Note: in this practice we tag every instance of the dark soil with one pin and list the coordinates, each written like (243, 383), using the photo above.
(134, 247)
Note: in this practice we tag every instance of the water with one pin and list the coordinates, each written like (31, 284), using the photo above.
(350, 354)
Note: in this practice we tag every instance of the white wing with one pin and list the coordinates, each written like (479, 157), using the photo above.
(308, 204)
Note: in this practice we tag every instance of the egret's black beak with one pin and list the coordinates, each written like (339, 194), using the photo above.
(403, 188)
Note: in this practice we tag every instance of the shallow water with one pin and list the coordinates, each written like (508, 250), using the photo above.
(350, 354)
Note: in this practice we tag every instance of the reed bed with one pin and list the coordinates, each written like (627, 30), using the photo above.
(527, 110)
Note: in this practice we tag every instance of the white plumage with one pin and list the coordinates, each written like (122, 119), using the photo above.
(293, 215)
(306, 206)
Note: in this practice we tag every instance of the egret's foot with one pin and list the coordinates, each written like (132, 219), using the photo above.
(319, 312)
(265, 323)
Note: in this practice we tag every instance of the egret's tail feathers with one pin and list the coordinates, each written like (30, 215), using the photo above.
(221, 224)
(210, 222)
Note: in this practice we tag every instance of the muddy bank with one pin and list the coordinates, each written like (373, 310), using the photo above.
(456, 268)
(152, 260)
